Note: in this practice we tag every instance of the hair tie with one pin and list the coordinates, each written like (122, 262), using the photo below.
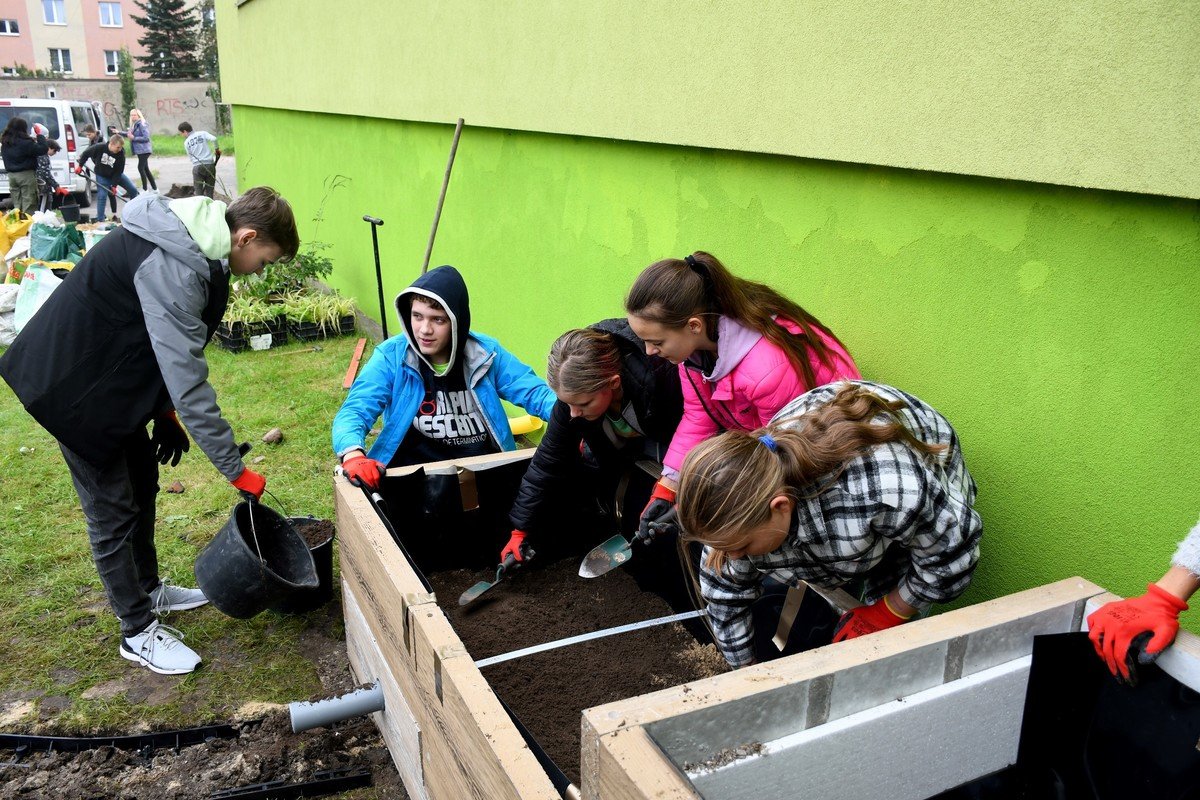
(701, 269)
(769, 442)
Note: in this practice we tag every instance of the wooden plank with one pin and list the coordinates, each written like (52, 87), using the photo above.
(352, 372)
(632, 766)
(474, 463)
(471, 747)
(396, 723)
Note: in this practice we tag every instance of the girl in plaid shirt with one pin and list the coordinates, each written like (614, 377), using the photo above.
(851, 483)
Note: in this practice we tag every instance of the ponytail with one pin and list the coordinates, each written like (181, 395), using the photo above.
(582, 361)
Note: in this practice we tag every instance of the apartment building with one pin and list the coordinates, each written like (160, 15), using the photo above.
(77, 38)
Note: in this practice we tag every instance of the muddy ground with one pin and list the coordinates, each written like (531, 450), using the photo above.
(263, 752)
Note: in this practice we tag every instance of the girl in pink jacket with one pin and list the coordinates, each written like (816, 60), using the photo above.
(743, 351)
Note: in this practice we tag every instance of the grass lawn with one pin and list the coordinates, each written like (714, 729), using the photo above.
(62, 638)
(166, 145)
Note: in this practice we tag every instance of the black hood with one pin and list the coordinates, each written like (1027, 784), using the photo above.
(445, 286)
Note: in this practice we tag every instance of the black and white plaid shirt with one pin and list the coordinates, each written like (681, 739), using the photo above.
(893, 518)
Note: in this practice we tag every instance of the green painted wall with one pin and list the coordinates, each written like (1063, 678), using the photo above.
(1097, 93)
(1055, 327)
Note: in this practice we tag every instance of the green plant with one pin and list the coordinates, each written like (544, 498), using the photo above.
(310, 264)
(128, 90)
(325, 310)
(249, 309)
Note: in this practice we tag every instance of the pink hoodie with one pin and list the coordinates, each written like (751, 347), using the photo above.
(751, 381)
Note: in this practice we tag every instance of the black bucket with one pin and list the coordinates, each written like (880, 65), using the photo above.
(234, 578)
(302, 601)
(70, 213)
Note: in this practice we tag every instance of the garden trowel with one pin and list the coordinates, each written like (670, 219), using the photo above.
(509, 564)
(613, 552)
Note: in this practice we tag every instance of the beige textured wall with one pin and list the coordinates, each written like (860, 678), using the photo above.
(1095, 93)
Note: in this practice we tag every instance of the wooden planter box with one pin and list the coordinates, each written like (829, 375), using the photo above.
(451, 739)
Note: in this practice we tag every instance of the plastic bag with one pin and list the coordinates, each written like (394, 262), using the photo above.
(48, 218)
(37, 284)
(54, 244)
(17, 223)
(8, 304)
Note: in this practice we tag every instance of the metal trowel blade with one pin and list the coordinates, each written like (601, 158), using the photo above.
(607, 555)
(475, 591)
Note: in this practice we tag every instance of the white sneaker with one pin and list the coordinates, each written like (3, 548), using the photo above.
(167, 598)
(160, 648)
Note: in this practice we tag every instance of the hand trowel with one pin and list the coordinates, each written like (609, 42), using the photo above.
(615, 551)
(509, 564)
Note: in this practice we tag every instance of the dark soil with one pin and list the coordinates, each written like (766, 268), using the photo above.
(314, 531)
(548, 691)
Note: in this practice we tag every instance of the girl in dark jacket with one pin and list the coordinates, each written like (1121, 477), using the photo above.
(20, 152)
(622, 404)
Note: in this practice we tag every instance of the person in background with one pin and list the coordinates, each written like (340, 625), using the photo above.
(139, 137)
(851, 484)
(743, 350)
(204, 158)
(119, 345)
(1135, 631)
(615, 401)
(109, 158)
(438, 387)
(20, 152)
(48, 188)
(91, 133)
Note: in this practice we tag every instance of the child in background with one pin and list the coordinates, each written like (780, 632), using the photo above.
(50, 192)
(743, 351)
(204, 159)
(853, 483)
(438, 387)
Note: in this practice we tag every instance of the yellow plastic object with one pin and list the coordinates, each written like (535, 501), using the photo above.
(523, 424)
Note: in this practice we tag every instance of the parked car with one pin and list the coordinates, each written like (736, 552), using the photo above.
(64, 119)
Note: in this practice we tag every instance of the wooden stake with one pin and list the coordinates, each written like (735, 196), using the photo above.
(353, 371)
(442, 197)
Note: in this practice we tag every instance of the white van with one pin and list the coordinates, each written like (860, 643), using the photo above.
(64, 119)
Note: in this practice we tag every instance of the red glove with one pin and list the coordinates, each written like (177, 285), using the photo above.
(860, 621)
(218, 152)
(1136, 630)
(79, 170)
(515, 547)
(250, 482)
(662, 502)
(364, 472)
(64, 191)
(40, 130)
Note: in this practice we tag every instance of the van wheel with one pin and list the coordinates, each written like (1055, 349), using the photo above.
(86, 198)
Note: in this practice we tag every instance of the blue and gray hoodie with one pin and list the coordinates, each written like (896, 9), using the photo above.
(391, 383)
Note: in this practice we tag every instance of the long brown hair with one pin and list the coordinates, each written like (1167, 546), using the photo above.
(673, 290)
(582, 361)
(727, 482)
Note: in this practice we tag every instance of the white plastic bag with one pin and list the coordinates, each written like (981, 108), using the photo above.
(8, 302)
(37, 284)
(47, 218)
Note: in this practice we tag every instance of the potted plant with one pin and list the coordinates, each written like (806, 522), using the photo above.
(248, 316)
(318, 316)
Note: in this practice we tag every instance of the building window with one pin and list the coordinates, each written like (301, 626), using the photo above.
(112, 61)
(53, 12)
(8, 27)
(8, 70)
(110, 15)
(60, 59)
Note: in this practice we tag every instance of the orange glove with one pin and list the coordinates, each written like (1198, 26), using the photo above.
(250, 483)
(860, 621)
(515, 547)
(1135, 631)
(363, 472)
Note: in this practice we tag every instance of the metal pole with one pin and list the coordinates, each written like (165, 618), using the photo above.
(442, 197)
(375, 223)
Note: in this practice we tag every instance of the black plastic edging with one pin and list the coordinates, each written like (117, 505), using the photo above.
(380, 505)
(325, 782)
(556, 775)
(165, 739)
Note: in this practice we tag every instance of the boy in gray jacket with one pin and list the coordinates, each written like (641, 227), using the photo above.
(120, 344)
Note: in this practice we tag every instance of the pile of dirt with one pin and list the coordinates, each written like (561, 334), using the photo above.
(548, 691)
(265, 752)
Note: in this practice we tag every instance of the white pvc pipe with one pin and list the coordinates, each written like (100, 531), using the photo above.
(307, 715)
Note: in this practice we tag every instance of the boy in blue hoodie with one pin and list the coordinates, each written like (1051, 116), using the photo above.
(438, 386)
(120, 344)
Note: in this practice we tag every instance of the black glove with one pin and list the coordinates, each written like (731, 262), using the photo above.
(659, 514)
(168, 439)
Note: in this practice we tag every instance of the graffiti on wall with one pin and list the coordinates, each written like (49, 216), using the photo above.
(165, 103)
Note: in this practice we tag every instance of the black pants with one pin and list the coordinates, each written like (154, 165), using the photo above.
(144, 171)
(118, 503)
(204, 177)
